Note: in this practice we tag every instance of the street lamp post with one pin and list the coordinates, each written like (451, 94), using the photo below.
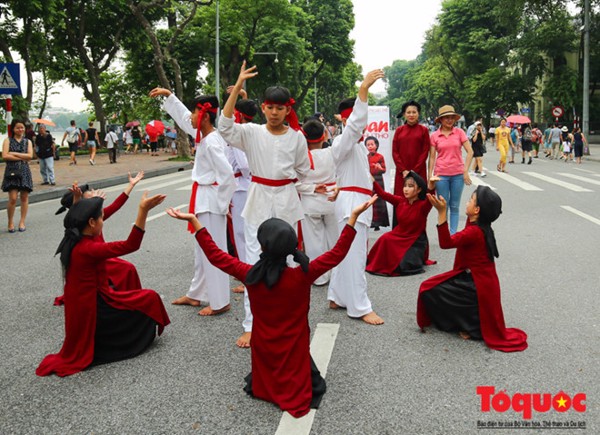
(586, 70)
(217, 57)
(268, 53)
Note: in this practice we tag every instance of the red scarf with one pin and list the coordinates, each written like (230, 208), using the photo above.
(291, 118)
(204, 108)
(241, 115)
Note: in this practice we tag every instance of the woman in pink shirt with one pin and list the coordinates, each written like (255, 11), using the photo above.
(446, 161)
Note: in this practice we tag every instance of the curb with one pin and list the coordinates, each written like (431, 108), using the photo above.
(98, 184)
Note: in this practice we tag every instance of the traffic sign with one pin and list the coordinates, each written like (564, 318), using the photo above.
(558, 111)
(10, 82)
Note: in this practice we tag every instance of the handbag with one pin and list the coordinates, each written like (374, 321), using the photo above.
(14, 174)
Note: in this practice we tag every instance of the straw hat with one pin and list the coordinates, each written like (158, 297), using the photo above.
(446, 111)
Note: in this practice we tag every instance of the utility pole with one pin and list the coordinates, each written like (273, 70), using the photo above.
(217, 57)
(586, 71)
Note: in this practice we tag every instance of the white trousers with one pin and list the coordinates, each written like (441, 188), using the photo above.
(209, 284)
(320, 232)
(348, 285)
(253, 251)
(237, 205)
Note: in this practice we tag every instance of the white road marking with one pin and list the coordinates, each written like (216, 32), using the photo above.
(585, 170)
(145, 181)
(581, 214)
(580, 178)
(564, 184)
(477, 181)
(168, 183)
(513, 180)
(321, 348)
(161, 214)
(189, 187)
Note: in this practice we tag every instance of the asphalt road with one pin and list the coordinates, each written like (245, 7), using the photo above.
(390, 379)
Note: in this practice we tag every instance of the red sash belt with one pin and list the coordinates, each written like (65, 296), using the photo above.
(357, 189)
(330, 184)
(272, 183)
(237, 174)
(192, 207)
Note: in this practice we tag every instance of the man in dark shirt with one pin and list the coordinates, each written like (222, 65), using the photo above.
(44, 145)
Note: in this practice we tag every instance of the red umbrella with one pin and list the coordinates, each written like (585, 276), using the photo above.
(132, 124)
(518, 119)
(44, 121)
(155, 127)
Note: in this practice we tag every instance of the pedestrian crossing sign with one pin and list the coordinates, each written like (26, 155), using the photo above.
(10, 78)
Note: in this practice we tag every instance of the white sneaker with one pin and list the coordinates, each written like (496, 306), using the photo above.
(92, 162)
(483, 174)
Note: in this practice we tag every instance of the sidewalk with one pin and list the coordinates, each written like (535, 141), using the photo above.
(101, 175)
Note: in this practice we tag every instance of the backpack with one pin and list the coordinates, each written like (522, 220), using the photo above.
(73, 136)
(527, 134)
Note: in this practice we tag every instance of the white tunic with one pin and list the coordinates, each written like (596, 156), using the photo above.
(238, 161)
(323, 173)
(352, 165)
(210, 164)
(275, 157)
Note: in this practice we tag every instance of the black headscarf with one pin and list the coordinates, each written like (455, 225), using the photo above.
(420, 183)
(67, 199)
(277, 239)
(75, 222)
(490, 208)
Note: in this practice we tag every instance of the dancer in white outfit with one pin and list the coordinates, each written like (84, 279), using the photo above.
(348, 285)
(277, 157)
(212, 190)
(319, 227)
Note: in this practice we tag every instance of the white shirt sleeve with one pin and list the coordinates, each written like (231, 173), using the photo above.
(352, 132)
(180, 114)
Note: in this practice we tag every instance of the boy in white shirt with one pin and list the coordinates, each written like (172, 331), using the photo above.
(212, 190)
(277, 157)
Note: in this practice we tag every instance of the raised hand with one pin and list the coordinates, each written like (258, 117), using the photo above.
(438, 202)
(372, 77)
(159, 92)
(99, 193)
(134, 180)
(364, 206)
(179, 215)
(246, 73)
(148, 203)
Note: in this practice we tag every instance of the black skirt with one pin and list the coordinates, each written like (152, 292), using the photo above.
(319, 386)
(121, 334)
(453, 307)
(412, 262)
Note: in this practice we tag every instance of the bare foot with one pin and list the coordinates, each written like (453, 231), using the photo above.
(208, 311)
(464, 335)
(372, 319)
(238, 289)
(244, 340)
(334, 306)
(184, 300)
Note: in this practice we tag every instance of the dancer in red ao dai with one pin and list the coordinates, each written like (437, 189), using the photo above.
(282, 369)
(467, 298)
(402, 251)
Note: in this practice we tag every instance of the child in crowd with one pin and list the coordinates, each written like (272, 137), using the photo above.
(377, 168)
(467, 298)
(277, 158)
(101, 325)
(282, 369)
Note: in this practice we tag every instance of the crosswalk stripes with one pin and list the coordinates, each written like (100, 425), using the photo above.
(580, 178)
(570, 186)
(479, 182)
(514, 180)
(168, 183)
(147, 181)
(581, 214)
(585, 170)
(188, 187)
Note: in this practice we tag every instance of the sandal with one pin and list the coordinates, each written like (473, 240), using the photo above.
(22, 229)
(498, 168)
(11, 230)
